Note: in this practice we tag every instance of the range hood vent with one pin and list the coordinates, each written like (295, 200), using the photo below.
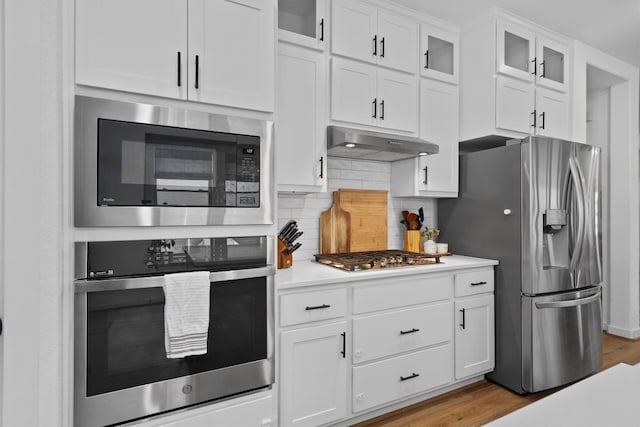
(368, 145)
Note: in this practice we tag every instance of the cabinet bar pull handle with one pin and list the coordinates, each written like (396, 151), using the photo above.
(426, 175)
(375, 45)
(344, 345)
(463, 324)
(382, 110)
(375, 108)
(535, 66)
(426, 60)
(542, 117)
(413, 375)
(317, 307)
(321, 166)
(543, 68)
(479, 283)
(534, 118)
(179, 69)
(322, 30)
(197, 70)
(411, 331)
(382, 48)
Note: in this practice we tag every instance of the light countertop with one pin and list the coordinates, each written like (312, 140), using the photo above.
(311, 273)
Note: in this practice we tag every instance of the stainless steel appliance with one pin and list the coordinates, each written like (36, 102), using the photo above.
(535, 205)
(358, 261)
(121, 368)
(145, 165)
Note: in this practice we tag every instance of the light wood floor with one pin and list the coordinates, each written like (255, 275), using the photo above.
(484, 401)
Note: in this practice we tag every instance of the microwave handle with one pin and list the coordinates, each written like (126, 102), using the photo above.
(85, 286)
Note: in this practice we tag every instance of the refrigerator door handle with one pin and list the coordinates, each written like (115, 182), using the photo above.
(569, 303)
(579, 194)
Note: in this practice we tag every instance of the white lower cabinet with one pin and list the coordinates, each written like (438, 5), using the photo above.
(474, 323)
(313, 377)
(383, 340)
(392, 379)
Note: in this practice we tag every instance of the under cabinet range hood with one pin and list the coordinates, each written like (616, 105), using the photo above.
(368, 145)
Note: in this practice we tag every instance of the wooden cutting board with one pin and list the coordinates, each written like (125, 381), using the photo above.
(356, 222)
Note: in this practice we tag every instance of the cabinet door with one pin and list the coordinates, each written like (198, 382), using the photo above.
(301, 148)
(515, 105)
(303, 22)
(353, 92)
(474, 336)
(118, 46)
(313, 375)
(439, 124)
(515, 50)
(397, 100)
(397, 39)
(439, 50)
(552, 109)
(553, 60)
(232, 53)
(353, 29)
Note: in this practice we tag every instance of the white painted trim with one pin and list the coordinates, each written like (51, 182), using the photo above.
(624, 309)
(624, 332)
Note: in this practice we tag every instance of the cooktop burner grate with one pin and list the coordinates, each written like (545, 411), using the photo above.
(357, 261)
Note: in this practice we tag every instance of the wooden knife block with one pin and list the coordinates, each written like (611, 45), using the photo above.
(285, 260)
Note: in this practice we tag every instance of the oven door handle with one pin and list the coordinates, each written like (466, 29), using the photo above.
(84, 286)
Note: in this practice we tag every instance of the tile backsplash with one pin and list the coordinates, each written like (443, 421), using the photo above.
(346, 173)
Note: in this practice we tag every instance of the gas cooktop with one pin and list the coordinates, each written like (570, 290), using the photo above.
(357, 261)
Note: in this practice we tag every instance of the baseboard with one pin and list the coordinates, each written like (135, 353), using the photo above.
(624, 332)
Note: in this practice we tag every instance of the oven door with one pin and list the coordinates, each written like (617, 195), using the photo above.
(121, 369)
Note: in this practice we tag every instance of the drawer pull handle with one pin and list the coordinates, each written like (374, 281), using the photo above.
(413, 375)
(344, 345)
(479, 283)
(411, 331)
(317, 307)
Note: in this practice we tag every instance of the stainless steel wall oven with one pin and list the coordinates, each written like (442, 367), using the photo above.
(145, 165)
(122, 371)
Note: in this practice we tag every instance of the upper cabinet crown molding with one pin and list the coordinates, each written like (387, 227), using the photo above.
(220, 52)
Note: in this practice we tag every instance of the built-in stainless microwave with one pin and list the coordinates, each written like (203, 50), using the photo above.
(146, 165)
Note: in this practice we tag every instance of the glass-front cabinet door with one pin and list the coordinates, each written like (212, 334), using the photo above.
(303, 22)
(552, 58)
(515, 50)
(439, 49)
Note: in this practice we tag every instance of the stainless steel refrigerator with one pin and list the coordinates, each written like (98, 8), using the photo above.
(535, 206)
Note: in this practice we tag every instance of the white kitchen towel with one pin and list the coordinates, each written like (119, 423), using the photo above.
(186, 313)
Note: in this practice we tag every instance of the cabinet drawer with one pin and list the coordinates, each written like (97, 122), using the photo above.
(473, 282)
(312, 306)
(383, 382)
(399, 331)
(400, 292)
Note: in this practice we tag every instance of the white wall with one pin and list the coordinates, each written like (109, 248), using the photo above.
(32, 226)
(598, 131)
(344, 173)
(624, 226)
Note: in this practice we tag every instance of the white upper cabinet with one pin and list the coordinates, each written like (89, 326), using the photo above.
(232, 49)
(439, 50)
(301, 122)
(365, 94)
(435, 175)
(523, 90)
(363, 32)
(220, 52)
(303, 22)
(531, 56)
(138, 54)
